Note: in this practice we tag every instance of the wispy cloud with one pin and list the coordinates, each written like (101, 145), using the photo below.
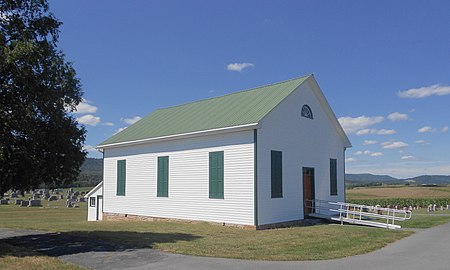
(396, 116)
(426, 129)
(433, 90)
(421, 142)
(239, 66)
(376, 131)
(394, 145)
(408, 158)
(85, 107)
(131, 120)
(89, 148)
(350, 159)
(353, 124)
(369, 153)
(444, 129)
(120, 129)
(369, 142)
(108, 124)
(89, 119)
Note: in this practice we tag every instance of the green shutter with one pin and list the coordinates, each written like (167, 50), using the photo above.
(163, 177)
(121, 177)
(333, 176)
(276, 174)
(216, 175)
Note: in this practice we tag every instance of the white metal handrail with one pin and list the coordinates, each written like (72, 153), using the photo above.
(360, 214)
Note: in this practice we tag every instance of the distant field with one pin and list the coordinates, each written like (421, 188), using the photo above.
(398, 192)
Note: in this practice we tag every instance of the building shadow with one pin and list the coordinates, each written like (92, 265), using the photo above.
(74, 242)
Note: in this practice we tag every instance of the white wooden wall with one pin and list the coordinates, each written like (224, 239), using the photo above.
(304, 143)
(188, 179)
(92, 210)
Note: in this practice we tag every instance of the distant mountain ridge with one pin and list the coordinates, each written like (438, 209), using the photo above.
(366, 178)
(92, 173)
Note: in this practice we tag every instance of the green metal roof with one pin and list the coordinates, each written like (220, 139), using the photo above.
(236, 109)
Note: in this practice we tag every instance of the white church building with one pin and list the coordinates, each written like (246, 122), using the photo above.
(251, 158)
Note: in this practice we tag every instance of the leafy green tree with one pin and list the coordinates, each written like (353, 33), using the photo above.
(40, 141)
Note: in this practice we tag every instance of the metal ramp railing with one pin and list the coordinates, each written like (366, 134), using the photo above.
(357, 214)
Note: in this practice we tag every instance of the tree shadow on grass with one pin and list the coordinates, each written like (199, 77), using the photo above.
(69, 243)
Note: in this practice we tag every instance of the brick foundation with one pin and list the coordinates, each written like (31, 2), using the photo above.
(127, 217)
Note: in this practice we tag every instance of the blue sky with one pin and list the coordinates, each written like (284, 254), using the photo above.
(136, 56)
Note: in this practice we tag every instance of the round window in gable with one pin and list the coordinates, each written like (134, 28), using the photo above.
(306, 112)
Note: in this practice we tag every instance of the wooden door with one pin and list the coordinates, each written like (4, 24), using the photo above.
(308, 190)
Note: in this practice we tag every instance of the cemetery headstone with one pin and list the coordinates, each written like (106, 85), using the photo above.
(32, 203)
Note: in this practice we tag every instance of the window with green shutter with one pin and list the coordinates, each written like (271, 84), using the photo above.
(163, 177)
(216, 175)
(333, 176)
(121, 177)
(276, 174)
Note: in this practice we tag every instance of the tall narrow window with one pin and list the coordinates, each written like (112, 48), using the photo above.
(216, 175)
(333, 176)
(163, 177)
(92, 201)
(121, 177)
(277, 174)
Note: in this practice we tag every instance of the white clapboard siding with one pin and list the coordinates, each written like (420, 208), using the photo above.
(304, 143)
(188, 179)
(94, 212)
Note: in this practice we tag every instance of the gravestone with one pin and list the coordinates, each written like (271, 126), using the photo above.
(53, 198)
(32, 203)
(24, 203)
(19, 202)
(14, 195)
(4, 201)
(70, 203)
(82, 199)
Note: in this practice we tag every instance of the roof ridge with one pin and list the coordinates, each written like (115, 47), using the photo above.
(234, 93)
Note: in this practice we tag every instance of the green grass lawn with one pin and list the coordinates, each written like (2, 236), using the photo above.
(13, 258)
(203, 239)
(421, 219)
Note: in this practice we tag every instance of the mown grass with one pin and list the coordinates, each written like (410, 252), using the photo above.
(203, 239)
(421, 219)
(13, 258)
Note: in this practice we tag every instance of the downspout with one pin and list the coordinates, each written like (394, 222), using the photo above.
(103, 178)
(345, 188)
(255, 174)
